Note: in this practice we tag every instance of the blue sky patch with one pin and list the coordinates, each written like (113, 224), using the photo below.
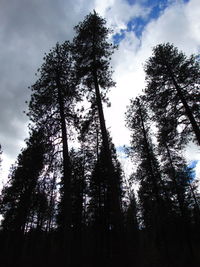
(122, 151)
(138, 24)
(118, 37)
(191, 166)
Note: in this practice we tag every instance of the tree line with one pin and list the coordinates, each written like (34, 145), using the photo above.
(65, 202)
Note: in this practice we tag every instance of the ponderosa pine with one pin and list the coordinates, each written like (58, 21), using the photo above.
(173, 88)
(92, 54)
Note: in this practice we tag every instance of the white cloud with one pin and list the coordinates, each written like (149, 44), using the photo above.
(30, 29)
(177, 24)
(119, 12)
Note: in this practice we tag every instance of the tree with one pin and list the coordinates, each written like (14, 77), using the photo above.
(92, 54)
(173, 88)
(18, 194)
(175, 170)
(173, 164)
(52, 107)
(131, 228)
(155, 204)
(107, 236)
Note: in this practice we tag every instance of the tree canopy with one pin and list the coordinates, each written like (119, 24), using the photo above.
(68, 201)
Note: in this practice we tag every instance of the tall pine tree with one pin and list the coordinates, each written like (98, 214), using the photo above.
(18, 194)
(52, 107)
(155, 204)
(92, 54)
(173, 88)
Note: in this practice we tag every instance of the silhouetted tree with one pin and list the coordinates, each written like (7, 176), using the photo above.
(106, 235)
(18, 199)
(52, 106)
(78, 197)
(92, 55)
(173, 164)
(175, 171)
(132, 243)
(18, 194)
(173, 88)
(155, 204)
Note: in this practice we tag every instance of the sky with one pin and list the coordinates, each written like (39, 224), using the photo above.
(28, 29)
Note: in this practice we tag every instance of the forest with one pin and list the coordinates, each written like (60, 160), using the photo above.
(66, 202)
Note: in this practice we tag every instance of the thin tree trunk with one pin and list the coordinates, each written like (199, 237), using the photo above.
(66, 162)
(66, 211)
(113, 209)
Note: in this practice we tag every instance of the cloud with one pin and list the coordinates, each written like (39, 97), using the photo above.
(177, 24)
(119, 12)
(30, 28)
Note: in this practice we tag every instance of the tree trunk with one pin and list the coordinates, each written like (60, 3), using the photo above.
(66, 211)
(113, 210)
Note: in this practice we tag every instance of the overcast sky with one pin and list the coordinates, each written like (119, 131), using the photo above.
(29, 28)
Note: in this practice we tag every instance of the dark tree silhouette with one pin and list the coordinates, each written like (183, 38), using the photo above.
(18, 194)
(92, 55)
(155, 203)
(99, 205)
(174, 166)
(173, 87)
(175, 170)
(52, 106)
